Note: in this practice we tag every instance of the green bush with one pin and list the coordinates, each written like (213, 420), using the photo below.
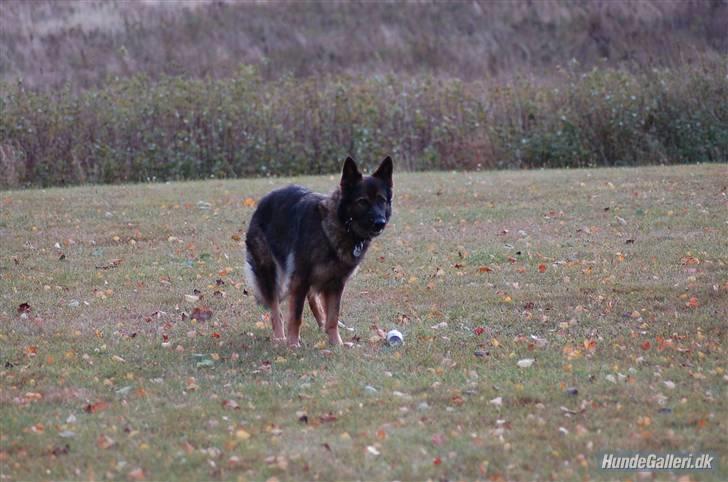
(141, 130)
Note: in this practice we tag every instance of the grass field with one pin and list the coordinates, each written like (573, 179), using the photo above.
(614, 281)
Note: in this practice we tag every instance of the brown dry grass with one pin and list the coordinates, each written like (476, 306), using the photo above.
(49, 43)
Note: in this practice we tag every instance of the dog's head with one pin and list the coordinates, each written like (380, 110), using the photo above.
(366, 201)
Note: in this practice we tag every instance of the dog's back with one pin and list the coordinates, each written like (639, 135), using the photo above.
(272, 236)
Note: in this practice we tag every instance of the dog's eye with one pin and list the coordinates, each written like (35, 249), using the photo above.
(381, 199)
(362, 202)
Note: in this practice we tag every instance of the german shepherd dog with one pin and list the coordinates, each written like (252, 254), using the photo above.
(306, 245)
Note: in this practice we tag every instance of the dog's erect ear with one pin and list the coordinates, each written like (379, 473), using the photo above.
(350, 174)
(384, 171)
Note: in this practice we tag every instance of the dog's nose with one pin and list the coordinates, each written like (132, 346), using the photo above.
(379, 224)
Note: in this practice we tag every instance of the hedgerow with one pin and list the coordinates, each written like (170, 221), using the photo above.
(137, 129)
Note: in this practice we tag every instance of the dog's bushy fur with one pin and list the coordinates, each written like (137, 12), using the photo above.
(306, 245)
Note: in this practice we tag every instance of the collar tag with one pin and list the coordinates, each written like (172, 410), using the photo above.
(358, 248)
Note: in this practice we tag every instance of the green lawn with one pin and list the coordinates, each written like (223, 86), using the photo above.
(615, 281)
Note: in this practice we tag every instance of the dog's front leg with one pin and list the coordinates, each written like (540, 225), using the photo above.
(333, 304)
(298, 292)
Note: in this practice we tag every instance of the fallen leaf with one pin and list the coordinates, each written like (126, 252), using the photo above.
(136, 474)
(372, 450)
(104, 441)
(541, 268)
(329, 417)
(96, 407)
(111, 264)
(590, 344)
(525, 362)
(201, 313)
(687, 260)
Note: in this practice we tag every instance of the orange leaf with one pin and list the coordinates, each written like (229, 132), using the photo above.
(542, 268)
(692, 302)
(646, 345)
(96, 407)
(689, 260)
(104, 442)
(484, 269)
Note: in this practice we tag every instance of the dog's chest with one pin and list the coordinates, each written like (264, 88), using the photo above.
(331, 274)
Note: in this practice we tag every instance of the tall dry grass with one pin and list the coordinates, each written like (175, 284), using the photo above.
(49, 43)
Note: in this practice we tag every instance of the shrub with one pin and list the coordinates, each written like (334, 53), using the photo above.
(137, 129)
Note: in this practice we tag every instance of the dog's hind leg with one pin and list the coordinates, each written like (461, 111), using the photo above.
(260, 270)
(314, 302)
(298, 291)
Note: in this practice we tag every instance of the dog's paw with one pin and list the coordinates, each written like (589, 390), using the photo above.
(294, 342)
